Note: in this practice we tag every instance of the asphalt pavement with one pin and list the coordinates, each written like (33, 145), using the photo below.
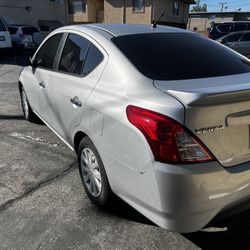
(43, 204)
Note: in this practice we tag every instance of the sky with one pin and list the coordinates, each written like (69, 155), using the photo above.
(232, 5)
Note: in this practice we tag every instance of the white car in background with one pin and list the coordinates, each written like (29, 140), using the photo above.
(5, 40)
(25, 37)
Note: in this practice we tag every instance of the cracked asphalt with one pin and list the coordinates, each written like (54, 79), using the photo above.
(43, 205)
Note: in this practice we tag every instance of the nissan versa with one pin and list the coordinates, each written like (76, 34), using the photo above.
(158, 116)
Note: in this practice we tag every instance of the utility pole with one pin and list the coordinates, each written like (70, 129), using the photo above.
(222, 5)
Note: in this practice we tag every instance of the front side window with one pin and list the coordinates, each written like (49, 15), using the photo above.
(138, 5)
(74, 54)
(46, 55)
(76, 6)
(240, 27)
(176, 8)
(224, 28)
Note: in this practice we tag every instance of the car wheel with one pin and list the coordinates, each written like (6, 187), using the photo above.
(93, 174)
(27, 111)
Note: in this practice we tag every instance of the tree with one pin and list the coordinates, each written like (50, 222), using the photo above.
(199, 7)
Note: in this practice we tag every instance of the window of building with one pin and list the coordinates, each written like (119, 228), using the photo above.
(195, 28)
(46, 55)
(176, 8)
(76, 6)
(138, 5)
(74, 54)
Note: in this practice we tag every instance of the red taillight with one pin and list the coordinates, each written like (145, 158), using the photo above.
(169, 141)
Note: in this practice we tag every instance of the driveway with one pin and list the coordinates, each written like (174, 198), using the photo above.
(43, 205)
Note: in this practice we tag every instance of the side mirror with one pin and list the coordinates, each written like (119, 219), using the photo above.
(23, 60)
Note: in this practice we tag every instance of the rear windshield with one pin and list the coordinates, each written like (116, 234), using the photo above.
(29, 30)
(176, 56)
(2, 26)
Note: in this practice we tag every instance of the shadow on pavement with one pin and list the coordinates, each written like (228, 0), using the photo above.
(230, 233)
(8, 60)
(12, 117)
(123, 210)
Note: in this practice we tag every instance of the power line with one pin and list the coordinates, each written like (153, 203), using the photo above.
(222, 5)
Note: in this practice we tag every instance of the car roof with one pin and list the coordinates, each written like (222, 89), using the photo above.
(234, 33)
(126, 29)
(20, 25)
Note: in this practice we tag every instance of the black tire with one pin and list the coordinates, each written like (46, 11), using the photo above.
(29, 115)
(106, 196)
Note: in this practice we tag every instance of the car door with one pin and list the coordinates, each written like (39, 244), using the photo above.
(79, 69)
(232, 41)
(244, 47)
(37, 77)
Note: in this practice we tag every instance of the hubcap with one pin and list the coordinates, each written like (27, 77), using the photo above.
(25, 104)
(91, 172)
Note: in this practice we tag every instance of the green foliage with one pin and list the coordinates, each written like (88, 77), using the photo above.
(199, 7)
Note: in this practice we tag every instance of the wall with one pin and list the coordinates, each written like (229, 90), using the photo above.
(113, 11)
(14, 11)
(161, 5)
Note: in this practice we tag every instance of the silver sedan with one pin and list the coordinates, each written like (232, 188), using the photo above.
(157, 116)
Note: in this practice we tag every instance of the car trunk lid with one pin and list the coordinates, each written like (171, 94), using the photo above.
(217, 112)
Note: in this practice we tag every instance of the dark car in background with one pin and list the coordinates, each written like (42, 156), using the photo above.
(238, 41)
(219, 30)
(25, 37)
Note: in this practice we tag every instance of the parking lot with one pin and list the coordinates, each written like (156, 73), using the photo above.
(43, 205)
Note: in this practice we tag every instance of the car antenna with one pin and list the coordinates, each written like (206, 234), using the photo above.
(154, 24)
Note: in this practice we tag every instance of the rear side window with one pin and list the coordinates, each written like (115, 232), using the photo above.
(46, 55)
(2, 26)
(232, 38)
(94, 58)
(240, 26)
(29, 30)
(224, 28)
(74, 54)
(12, 30)
(176, 56)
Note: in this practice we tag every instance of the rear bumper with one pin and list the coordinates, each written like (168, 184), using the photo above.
(185, 198)
(192, 195)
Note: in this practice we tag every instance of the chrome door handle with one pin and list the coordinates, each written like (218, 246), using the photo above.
(75, 100)
(42, 84)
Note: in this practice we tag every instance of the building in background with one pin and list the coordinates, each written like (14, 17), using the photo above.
(201, 21)
(129, 11)
(44, 14)
(50, 14)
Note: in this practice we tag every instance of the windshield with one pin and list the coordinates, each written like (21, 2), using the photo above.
(176, 56)
(29, 30)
